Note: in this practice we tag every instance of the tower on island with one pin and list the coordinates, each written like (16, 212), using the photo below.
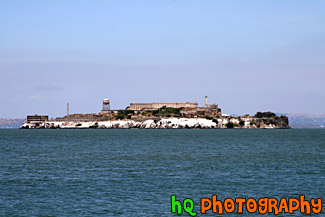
(206, 101)
(106, 105)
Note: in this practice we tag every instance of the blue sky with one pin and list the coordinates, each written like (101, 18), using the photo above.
(246, 55)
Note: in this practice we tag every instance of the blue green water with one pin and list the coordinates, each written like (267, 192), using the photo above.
(134, 172)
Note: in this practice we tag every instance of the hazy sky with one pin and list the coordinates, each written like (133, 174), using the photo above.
(246, 55)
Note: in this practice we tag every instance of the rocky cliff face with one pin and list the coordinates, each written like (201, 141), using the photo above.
(260, 120)
(164, 123)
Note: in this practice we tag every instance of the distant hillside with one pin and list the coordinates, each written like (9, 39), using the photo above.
(306, 120)
(11, 123)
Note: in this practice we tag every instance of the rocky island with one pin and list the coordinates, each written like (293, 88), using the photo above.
(162, 118)
(158, 116)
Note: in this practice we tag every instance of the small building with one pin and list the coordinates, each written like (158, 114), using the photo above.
(37, 118)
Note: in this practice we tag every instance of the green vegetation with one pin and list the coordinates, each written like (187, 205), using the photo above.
(163, 112)
(265, 115)
(271, 118)
(124, 114)
(207, 117)
(201, 112)
(107, 118)
(241, 123)
(285, 119)
(230, 125)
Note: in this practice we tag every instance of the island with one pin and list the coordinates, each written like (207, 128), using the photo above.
(168, 115)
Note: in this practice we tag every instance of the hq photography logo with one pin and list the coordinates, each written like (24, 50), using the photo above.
(251, 205)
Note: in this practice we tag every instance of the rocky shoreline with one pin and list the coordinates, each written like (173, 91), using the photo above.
(163, 123)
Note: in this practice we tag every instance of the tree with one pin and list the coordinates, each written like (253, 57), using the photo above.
(285, 119)
(265, 115)
(230, 125)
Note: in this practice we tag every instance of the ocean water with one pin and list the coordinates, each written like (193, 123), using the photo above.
(134, 172)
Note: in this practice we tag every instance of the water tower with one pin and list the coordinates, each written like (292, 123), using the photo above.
(106, 105)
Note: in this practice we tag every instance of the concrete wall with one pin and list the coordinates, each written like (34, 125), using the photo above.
(157, 105)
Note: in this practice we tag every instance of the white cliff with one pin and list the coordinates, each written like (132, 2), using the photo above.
(163, 123)
(125, 124)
